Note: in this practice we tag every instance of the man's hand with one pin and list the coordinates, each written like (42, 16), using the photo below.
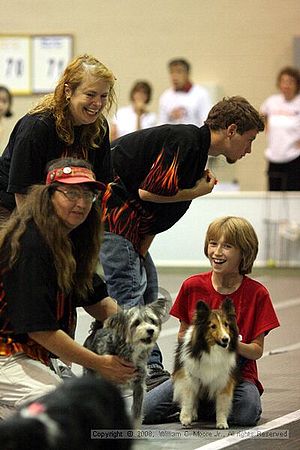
(204, 185)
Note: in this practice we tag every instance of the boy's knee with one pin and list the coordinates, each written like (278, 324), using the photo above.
(246, 417)
(247, 408)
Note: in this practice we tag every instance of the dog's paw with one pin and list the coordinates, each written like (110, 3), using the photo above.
(222, 425)
(185, 419)
(195, 415)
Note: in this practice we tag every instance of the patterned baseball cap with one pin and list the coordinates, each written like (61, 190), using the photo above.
(74, 175)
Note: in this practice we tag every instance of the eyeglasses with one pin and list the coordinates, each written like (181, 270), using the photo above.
(74, 194)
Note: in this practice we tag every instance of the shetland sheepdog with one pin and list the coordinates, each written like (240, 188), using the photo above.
(205, 363)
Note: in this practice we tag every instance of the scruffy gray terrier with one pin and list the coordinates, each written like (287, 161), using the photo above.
(131, 334)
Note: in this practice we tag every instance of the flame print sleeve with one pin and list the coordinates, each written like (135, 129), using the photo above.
(125, 217)
(162, 178)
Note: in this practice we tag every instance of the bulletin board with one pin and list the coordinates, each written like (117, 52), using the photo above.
(32, 64)
(15, 64)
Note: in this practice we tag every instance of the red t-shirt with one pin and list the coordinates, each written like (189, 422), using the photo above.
(253, 305)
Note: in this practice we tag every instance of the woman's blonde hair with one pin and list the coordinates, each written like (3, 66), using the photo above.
(238, 232)
(57, 103)
(75, 256)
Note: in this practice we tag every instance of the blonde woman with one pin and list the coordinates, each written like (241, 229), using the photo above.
(68, 122)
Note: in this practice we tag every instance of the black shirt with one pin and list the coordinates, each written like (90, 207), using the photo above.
(160, 160)
(30, 299)
(32, 144)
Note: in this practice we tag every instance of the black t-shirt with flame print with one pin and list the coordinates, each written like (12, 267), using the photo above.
(160, 160)
(31, 301)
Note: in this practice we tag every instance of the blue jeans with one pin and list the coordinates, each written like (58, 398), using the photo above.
(131, 279)
(246, 408)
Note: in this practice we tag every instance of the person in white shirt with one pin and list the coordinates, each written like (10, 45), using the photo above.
(184, 102)
(282, 113)
(135, 116)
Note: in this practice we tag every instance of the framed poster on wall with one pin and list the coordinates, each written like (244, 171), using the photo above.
(32, 64)
(50, 55)
(15, 65)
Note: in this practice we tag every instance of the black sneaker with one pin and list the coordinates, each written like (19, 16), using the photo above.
(156, 377)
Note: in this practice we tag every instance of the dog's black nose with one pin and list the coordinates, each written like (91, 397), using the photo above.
(225, 340)
(150, 331)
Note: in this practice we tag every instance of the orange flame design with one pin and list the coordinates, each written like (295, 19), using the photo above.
(130, 219)
(166, 179)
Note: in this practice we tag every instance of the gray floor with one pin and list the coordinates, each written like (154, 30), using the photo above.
(279, 372)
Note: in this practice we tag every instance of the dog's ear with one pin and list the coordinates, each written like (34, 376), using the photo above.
(228, 308)
(159, 307)
(229, 311)
(113, 321)
(202, 311)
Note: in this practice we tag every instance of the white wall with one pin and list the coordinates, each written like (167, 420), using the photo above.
(237, 46)
(183, 244)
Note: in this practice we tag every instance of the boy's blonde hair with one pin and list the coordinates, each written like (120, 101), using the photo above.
(238, 232)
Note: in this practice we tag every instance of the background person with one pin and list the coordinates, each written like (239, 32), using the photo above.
(68, 122)
(184, 102)
(159, 171)
(231, 246)
(135, 116)
(5, 112)
(282, 113)
(48, 254)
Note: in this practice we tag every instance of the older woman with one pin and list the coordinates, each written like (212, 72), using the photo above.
(48, 253)
(68, 122)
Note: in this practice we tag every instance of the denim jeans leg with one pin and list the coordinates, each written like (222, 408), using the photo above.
(124, 274)
(150, 295)
(151, 292)
(126, 277)
(158, 404)
(246, 408)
